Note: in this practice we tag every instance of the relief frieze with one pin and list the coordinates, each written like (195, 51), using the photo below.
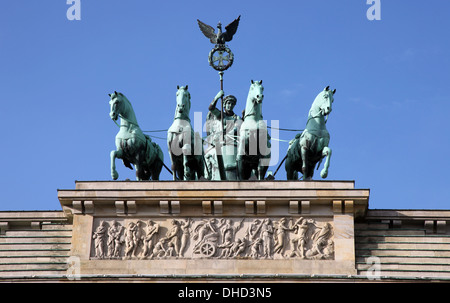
(218, 238)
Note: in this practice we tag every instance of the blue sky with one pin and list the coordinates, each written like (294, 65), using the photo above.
(389, 126)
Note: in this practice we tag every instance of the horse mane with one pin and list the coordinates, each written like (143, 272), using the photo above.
(318, 98)
(129, 108)
(126, 99)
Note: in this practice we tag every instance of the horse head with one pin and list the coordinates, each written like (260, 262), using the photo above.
(116, 105)
(256, 92)
(324, 100)
(121, 107)
(254, 100)
(183, 102)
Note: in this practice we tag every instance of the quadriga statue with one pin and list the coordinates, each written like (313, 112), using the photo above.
(311, 146)
(185, 146)
(254, 146)
(132, 145)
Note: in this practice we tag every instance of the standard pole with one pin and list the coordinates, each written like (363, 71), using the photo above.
(221, 111)
(219, 144)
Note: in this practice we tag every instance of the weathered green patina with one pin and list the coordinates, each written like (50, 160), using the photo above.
(254, 141)
(185, 147)
(132, 145)
(239, 148)
(311, 146)
(227, 140)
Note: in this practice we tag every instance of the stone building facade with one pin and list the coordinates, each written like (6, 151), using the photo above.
(210, 231)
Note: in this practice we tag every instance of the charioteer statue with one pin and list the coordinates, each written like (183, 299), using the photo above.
(224, 132)
(222, 125)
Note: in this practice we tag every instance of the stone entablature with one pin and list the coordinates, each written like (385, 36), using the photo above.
(228, 198)
(250, 227)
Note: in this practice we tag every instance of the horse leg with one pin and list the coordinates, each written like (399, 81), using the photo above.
(177, 168)
(200, 166)
(174, 167)
(239, 169)
(156, 168)
(293, 160)
(141, 166)
(177, 172)
(245, 170)
(263, 166)
(170, 138)
(262, 172)
(140, 172)
(157, 165)
(290, 171)
(189, 172)
(326, 152)
(115, 154)
(305, 168)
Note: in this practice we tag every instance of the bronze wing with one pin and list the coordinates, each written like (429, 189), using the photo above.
(208, 31)
(231, 29)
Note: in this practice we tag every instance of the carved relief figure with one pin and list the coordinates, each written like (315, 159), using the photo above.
(228, 232)
(152, 230)
(238, 248)
(328, 251)
(130, 242)
(173, 236)
(253, 230)
(207, 235)
(170, 251)
(280, 235)
(321, 242)
(298, 243)
(226, 249)
(159, 250)
(139, 236)
(114, 239)
(266, 237)
(185, 235)
(255, 250)
(99, 237)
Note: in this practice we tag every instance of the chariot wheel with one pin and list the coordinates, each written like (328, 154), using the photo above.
(208, 249)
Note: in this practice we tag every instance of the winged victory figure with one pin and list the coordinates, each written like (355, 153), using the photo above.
(219, 37)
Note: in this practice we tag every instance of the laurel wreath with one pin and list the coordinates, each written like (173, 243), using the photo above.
(218, 48)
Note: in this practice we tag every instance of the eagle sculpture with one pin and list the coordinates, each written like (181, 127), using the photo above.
(219, 37)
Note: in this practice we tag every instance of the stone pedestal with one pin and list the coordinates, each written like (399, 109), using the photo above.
(212, 229)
